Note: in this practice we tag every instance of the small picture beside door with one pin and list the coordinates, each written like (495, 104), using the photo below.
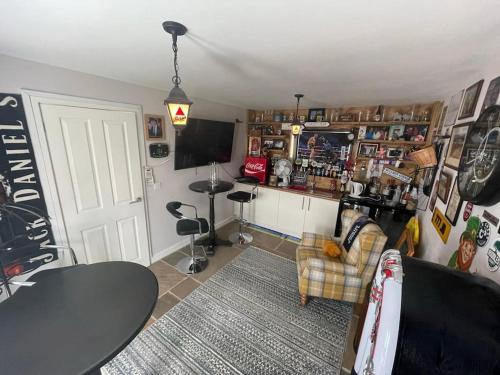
(154, 127)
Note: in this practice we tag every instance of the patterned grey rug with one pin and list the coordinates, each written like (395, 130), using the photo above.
(245, 319)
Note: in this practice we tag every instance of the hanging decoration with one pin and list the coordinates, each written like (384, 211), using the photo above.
(296, 124)
(483, 234)
(494, 256)
(177, 103)
(462, 258)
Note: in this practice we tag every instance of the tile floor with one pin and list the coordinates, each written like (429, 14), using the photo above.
(174, 286)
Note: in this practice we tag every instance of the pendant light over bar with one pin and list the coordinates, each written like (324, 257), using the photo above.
(177, 103)
(296, 125)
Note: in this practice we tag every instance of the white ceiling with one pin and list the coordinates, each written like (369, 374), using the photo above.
(258, 53)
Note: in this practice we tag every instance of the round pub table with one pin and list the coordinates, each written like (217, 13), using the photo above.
(76, 320)
(205, 187)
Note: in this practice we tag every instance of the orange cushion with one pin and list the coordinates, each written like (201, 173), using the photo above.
(331, 248)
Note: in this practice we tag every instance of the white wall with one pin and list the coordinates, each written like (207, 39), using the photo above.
(432, 248)
(17, 74)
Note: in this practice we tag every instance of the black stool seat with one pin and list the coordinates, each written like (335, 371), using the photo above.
(241, 196)
(186, 227)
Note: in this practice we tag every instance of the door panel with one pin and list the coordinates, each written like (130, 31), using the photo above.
(321, 216)
(291, 213)
(265, 208)
(81, 163)
(96, 162)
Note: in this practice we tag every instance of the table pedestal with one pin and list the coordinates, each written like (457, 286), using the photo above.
(212, 241)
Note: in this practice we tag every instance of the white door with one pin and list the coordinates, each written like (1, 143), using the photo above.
(291, 213)
(321, 215)
(264, 209)
(96, 162)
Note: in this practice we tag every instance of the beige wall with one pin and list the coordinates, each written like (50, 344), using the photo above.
(432, 248)
(16, 74)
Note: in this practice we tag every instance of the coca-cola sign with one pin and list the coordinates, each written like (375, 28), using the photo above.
(256, 167)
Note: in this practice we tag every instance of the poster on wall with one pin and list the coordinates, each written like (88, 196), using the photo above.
(441, 225)
(20, 191)
(329, 147)
(462, 258)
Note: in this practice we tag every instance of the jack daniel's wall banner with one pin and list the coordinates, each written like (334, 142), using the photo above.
(20, 189)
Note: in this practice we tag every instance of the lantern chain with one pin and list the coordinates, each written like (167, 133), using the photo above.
(176, 80)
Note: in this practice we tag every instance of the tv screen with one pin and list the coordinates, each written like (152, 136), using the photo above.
(203, 141)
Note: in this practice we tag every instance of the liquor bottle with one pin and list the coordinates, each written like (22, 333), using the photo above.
(378, 114)
(405, 195)
(397, 195)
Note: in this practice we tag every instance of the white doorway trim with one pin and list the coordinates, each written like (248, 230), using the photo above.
(32, 100)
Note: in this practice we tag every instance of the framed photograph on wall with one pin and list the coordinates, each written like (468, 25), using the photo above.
(492, 94)
(456, 146)
(154, 127)
(254, 146)
(395, 152)
(453, 107)
(444, 184)
(367, 150)
(432, 200)
(316, 114)
(454, 205)
(396, 132)
(441, 120)
(470, 100)
(415, 133)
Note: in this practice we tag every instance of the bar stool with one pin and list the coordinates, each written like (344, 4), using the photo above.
(242, 197)
(189, 227)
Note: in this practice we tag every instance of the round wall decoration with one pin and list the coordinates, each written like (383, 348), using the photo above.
(468, 210)
(483, 234)
(494, 256)
(479, 168)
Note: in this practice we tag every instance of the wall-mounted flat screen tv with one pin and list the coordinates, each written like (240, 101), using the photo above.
(203, 141)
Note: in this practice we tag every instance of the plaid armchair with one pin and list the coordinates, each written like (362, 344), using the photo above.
(343, 278)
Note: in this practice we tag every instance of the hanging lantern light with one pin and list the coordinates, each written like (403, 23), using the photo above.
(177, 103)
(296, 125)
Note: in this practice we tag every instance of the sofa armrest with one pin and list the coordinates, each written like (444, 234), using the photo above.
(334, 266)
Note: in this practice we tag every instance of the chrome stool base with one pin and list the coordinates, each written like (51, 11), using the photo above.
(190, 265)
(240, 238)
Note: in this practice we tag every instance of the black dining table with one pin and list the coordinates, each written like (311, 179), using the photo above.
(205, 186)
(76, 320)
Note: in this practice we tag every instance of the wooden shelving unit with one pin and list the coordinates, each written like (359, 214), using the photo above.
(257, 120)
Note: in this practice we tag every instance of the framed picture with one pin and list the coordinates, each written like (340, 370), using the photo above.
(254, 146)
(376, 133)
(362, 132)
(278, 144)
(316, 114)
(302, 119)
(432, 200)
(454, 205)
(444, 184)
(396, 132)
(441, 120)
(154, 127)
(470, 100)
(492, 94)
(453, 107)
(268, 143)
(367, 150)
(455, 148)
(416, 133)
(395, 152)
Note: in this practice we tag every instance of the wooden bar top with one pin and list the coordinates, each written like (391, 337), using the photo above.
(318, 193)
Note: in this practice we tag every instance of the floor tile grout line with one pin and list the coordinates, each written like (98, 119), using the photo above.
(185, 278)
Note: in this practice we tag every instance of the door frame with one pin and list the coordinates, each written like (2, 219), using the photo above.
(32, 100)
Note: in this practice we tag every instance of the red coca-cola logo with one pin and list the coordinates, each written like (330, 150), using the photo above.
(255, 166)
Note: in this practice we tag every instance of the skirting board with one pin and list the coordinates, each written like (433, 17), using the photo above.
(179, 245)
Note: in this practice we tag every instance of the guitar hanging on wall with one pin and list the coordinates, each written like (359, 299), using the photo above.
(479, 169)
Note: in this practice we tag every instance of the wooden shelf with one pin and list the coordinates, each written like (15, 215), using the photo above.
(390, 142)
(348, 123)
(272, 136)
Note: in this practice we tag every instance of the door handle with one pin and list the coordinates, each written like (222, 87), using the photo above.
(309, 205)
(303, 198)
(136, 200)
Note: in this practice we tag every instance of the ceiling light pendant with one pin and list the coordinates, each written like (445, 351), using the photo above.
(296, 125)
(177, 103)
